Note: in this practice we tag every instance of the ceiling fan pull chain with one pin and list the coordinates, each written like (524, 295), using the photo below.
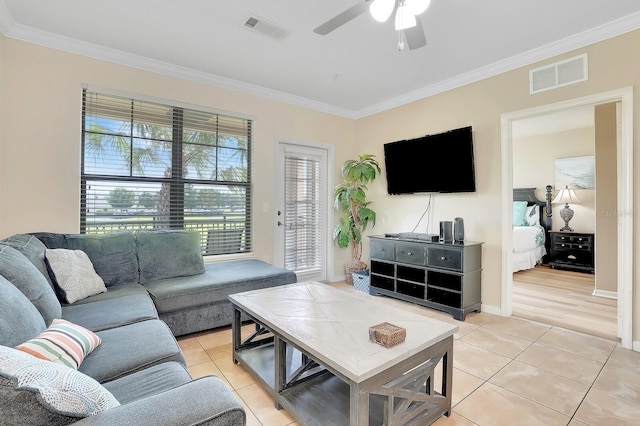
(400, 40)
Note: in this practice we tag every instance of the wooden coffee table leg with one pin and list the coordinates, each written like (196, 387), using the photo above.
(359, 405)
(236, 332)
(280, 359)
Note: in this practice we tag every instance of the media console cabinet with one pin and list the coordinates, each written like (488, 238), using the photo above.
(437, 275)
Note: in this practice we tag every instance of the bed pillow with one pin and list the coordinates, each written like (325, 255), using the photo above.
(63, 342)
(33, 391)
(532, 216)
(519, 211)
(75, 278)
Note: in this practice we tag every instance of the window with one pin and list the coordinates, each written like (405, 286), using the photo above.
(151, 166)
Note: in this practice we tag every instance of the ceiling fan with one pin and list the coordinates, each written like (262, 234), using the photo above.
(407, 20)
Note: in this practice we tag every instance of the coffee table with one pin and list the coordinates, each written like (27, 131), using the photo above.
(311, 351)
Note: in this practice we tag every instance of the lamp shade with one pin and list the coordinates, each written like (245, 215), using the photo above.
(566, 196)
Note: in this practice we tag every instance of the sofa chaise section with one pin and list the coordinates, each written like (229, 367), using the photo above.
(200, 302)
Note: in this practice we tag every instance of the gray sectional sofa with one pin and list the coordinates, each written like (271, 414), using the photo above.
(157, 287)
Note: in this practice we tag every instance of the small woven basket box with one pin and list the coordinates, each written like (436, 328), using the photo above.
(387, 334)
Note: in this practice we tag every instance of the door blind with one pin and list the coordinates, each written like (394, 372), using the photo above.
(302, 242)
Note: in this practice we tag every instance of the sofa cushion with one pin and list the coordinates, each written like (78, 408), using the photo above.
(20, 320)
(37, 392)
(130, 348)
(113, 255)
(216, 284)
(148, 382)
(168, 254)
(113, 292)
(103, 314)
(16, 268)
(33, 249)
(52, 239)
(75, 278)
(63, 342)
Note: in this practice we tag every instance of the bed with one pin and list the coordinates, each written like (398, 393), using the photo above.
(531, 226)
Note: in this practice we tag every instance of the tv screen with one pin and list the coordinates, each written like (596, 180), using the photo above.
(441, 162)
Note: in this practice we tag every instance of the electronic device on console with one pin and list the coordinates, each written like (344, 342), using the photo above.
(417, 236)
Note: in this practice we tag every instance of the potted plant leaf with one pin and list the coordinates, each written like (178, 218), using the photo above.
(351, 200)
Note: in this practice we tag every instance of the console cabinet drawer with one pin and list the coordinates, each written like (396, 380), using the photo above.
(383, 250)
(445, 258)
(415, 254)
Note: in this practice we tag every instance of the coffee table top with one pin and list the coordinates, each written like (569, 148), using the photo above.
(332, 325)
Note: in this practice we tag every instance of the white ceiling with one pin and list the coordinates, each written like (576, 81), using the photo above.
(353, 72)
(570, 119)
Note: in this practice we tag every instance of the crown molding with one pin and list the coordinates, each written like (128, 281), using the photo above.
(559, 47)
(603, 32)
(43, 38)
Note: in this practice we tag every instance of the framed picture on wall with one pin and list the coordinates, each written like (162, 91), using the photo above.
(575, 172)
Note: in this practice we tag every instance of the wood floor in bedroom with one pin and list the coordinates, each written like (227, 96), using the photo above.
(564, 299)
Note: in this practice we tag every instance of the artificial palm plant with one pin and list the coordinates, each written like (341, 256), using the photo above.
(351, 199)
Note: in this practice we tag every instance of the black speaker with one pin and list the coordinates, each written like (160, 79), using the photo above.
(458, 230)
(445, 231)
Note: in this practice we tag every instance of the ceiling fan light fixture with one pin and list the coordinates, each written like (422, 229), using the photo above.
(381, 10)
(417, 6)
(404, 18)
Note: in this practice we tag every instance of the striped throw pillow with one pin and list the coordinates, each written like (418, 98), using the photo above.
(63, 342)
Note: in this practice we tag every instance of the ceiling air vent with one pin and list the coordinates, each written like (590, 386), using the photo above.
(266, 28)
(563, 73)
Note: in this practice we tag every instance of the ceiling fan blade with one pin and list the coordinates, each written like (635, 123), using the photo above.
(342, 18)
(415, 35)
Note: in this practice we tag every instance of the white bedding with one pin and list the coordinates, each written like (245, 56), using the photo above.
(528, 246)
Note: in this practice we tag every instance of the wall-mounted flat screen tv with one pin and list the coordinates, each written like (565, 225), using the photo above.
(440, 162)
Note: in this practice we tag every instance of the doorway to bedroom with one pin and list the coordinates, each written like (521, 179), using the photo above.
(550, 284)
(599, 304)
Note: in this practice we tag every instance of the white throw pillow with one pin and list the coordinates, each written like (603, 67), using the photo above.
(74, 274)
(59, 389)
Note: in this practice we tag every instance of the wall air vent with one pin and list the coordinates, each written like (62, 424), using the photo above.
(265, 27)
(558, 74)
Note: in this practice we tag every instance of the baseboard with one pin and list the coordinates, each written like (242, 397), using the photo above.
(491, 310)
(635, 346)
(605, 294)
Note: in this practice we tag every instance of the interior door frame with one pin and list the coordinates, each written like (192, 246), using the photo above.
(278, 202)
(624, 200)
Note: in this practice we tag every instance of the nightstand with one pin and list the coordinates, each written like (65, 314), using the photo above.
(572, 251)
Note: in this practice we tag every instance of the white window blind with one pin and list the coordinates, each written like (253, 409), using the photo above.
(302, 214)
(147, 165)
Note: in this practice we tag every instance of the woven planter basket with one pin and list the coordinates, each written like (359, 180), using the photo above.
(349, 269)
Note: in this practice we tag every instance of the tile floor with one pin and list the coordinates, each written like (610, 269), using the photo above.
(507, 371)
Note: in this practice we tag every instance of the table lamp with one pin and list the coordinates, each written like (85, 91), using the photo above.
(566, 196)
